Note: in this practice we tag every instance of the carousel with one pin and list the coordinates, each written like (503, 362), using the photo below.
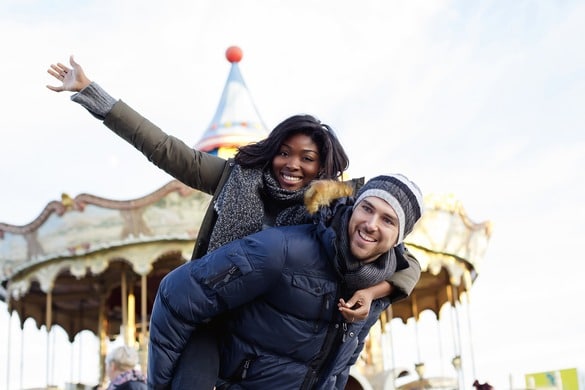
(88, 263)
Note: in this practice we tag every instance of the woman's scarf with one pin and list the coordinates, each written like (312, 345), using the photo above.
(356, 274)
(127, 376)
(240, 206)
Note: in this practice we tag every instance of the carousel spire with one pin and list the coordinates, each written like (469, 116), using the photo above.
(236, 121)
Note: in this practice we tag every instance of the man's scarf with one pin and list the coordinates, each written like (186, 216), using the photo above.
(127, 376)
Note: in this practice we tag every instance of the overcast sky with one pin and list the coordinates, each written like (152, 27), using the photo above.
(482, 100)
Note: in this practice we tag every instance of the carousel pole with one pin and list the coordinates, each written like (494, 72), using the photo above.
(143, 325)
(76, 359)
(392, 354)
(21, 379)
(457, 358)
(131, 316)
(8, 345)
(467, 279)
(449, 290)
(419, 366)
(414, 307)
(72, 359)
(123, 295)
(440, 339)
(102, 326)
(458, 316)
(48, 322)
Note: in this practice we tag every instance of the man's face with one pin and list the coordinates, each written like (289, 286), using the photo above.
(372, 229)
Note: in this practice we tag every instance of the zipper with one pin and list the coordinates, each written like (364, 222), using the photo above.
(325, 306)
(247, 363)
(224, 277)
(242, 370)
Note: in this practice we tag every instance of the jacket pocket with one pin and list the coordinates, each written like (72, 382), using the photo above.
(319, 297)
(314, 285)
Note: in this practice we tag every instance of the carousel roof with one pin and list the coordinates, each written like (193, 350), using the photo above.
(236, 121)
(81, 233)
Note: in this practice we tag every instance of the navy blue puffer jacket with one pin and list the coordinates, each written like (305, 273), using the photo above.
(284, 330)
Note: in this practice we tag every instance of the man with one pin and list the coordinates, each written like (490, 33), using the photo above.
(277, 291)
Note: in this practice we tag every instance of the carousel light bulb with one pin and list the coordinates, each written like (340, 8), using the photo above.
(456, 362)
(420, 369)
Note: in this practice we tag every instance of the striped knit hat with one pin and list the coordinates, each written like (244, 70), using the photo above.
(402, 194)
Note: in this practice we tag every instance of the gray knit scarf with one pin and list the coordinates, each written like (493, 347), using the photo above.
(356, 274)
(240, 206)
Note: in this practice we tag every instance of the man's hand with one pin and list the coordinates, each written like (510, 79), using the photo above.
(357, 307)
(74, 79)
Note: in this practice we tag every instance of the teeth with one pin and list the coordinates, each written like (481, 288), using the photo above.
(364, 237)
(291, 178)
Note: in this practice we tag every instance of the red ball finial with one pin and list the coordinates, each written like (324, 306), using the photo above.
(234, 54)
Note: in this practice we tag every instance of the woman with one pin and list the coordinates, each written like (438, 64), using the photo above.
(120, 369)
(262, 186)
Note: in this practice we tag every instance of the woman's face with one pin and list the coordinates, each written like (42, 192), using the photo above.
(297, 162)
(111, 370)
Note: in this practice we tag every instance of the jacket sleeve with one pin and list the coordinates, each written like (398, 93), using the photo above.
(196, 169)
(195, 292)
(342, 379)
(405, 280)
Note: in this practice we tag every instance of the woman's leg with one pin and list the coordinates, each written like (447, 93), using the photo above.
(198, 365)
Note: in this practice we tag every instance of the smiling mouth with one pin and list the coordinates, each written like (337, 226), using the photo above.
(365, 237)
(291, 178)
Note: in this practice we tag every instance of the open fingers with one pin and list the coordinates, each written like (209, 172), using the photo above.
(56, 89)
(59, 67)
(59, 71)
(54, 74)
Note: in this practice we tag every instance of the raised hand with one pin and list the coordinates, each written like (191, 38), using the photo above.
(73, 79)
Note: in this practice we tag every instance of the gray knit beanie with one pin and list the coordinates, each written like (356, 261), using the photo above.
(399, 192)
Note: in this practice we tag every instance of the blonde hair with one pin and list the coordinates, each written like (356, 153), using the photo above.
(124, 357)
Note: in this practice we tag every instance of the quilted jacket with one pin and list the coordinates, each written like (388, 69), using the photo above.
(283, 330)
